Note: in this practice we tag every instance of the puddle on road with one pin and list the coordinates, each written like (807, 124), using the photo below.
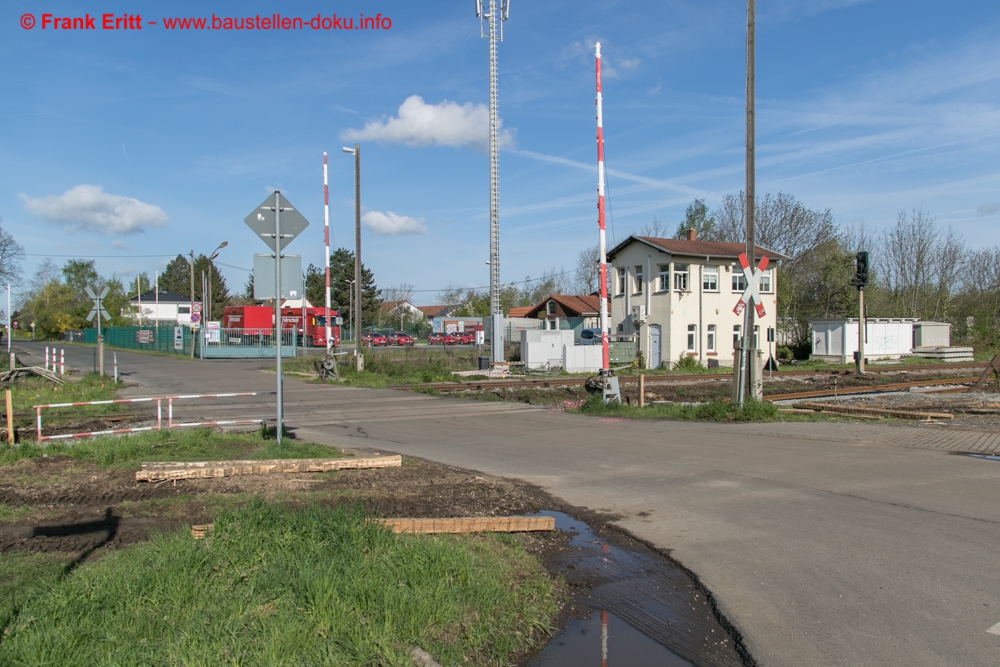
(646, 610)
(604, 639)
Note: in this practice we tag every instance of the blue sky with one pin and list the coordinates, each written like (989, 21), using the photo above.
(132, 146)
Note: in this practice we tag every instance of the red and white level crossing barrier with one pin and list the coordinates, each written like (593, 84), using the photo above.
(159, 414)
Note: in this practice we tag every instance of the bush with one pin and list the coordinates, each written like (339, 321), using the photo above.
(687, 363)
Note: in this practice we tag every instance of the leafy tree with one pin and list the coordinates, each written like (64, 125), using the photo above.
(341, 273)
(176, 278)
(50, 309)
(698, 218)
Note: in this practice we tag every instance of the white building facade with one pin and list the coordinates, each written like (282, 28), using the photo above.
(686, 289)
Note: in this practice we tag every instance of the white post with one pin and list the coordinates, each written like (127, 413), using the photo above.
(46, 357)
(62, 361)
(138, 295)
(326, 241)
(115, 356)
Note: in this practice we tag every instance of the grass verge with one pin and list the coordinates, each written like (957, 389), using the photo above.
(176, 445)
(752, 411)
(282, 586)
(398, 367)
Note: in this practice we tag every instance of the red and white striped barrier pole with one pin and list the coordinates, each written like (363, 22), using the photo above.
(62, 361)
(603, 249)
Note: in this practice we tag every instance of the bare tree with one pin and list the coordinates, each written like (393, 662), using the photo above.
(396, 293)
(588, 270)
(781, 223)
(906, 261)
(11, 256)
(655, 228)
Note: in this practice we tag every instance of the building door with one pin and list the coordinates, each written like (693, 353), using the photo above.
(654, 346)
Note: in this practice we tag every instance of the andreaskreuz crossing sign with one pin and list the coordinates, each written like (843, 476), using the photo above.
(752, 291)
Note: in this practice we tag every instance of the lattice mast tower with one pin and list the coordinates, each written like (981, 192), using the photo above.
(492, 14)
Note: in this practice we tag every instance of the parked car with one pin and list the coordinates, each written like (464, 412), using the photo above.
(400, 338)
(465, 337)
(374, 338)
(441, 339)
(590, 337)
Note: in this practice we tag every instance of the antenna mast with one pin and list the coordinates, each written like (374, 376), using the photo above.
(491, 25)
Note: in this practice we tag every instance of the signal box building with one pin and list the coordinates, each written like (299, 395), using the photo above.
(684, 292)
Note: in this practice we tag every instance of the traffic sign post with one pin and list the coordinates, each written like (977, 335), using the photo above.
(276, 223)
(95, 315)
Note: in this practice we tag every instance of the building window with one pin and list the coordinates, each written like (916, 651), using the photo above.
(736, 336)
(183, 310)
(681, 277)
(692, 337)
(765, 281)
(739, 282)
(621, 281)
(550, 308)
(621, 328)
(710, 279)
(664, 282)
(710, 342)
(638, 279)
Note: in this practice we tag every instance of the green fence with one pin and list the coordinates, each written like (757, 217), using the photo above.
(159, 339)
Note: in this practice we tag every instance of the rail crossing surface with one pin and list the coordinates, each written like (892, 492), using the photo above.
(824, 543)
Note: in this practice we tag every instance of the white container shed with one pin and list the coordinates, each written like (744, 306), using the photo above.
(931, 334)
(835, 340)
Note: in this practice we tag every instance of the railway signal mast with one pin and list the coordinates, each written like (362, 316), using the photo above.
(492, 14)
(861, 281)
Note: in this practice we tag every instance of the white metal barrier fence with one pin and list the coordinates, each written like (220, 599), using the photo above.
(159, 414)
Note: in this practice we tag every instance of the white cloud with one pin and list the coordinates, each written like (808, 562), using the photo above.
(444, 124)
(89, 207)
(390, 224)
(988, 209)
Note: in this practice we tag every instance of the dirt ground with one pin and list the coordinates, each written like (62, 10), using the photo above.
(61, 505)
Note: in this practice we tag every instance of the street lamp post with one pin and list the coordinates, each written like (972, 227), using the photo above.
(356, 152)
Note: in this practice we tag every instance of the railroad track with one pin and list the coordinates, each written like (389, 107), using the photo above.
(895, 386)
(566, 381)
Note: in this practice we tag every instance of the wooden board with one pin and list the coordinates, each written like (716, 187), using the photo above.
(848, 409)
(208, 469)
(492, 524)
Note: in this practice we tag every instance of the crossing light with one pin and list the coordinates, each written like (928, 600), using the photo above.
(861, 269)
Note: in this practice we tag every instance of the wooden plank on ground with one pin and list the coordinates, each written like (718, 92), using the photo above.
(491, 524)
(208, 469)
(849, 409)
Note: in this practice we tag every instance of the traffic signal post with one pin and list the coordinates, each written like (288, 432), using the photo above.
(861, 280)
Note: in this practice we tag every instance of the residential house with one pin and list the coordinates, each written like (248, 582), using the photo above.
(686, 290)
(392, 312)
(567, 311)
(165, 308)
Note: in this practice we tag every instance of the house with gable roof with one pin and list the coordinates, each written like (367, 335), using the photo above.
(684, 291)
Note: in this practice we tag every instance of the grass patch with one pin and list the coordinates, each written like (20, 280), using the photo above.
(752, 411)
(176, 445)
(23, 577)
(279, 586)
(31, 391)
(398, 367)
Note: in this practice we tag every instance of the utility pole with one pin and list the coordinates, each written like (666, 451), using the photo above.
(191, 312)
(494, 16)
(748, 348)
(356, 152)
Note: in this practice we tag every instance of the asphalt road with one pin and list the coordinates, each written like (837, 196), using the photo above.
(825, 544)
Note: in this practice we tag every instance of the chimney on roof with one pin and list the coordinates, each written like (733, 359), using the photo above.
(692, 235)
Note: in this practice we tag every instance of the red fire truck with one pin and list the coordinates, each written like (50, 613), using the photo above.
(259, 321)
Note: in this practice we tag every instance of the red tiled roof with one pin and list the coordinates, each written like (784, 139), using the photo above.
(519, 311)
(582, 305)
(432, 311)
(698, 248)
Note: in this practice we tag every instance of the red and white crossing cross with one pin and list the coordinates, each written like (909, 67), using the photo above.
(752, 291)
